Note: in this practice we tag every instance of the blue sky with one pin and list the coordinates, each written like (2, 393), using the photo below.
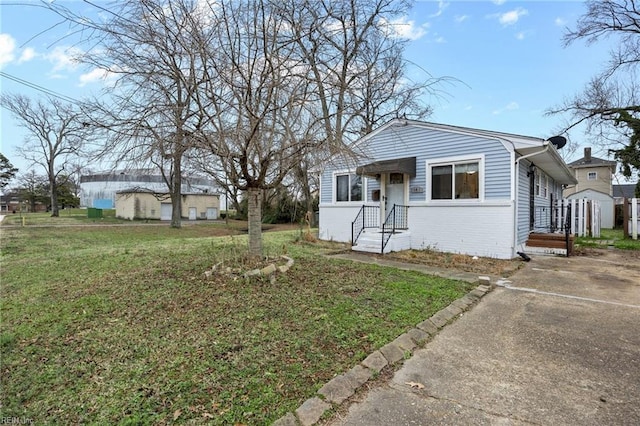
(506, 56)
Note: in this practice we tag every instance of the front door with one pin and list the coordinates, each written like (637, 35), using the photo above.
(394, 193)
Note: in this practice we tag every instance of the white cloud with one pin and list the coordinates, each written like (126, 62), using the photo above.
(7, 49)
(512, 17)
(442, 5)
(27, 55)
(404, 28)
(511, 106)
(63, 58)
(94, 75)
(520, 35)
(461, 18)
(440, 39)
(560, 22)
(498, 2)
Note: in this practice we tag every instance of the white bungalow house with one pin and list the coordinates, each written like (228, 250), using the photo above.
(419, 185)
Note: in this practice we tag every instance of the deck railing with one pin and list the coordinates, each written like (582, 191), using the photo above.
(367, 217)
(563, 217)
(396, 219)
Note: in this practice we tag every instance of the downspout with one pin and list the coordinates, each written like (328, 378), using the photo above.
(517, 182)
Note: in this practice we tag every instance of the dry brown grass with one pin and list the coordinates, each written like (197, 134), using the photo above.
(460, 262)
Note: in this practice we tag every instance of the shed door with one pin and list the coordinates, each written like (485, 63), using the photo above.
(212, 213)
(165, 211)
(193, 213)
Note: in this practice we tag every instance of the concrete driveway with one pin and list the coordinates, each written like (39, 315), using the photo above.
(559, 345)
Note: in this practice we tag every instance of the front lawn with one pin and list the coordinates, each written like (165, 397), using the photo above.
(109, 325)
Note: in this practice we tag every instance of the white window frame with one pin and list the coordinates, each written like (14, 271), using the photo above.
(595, 175)
(452, 161)
(334, 183)
(542, 185)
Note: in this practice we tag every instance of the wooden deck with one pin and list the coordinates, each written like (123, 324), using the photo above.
(550, 241)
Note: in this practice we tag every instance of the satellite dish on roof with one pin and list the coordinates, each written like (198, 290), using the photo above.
(558, 141)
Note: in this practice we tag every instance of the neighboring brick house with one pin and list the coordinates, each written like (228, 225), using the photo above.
(595, 182)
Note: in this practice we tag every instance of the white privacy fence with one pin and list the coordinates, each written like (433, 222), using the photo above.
(631, 217)
(582, 217)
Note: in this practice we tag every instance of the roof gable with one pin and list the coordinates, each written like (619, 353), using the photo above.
(579, 194)
(594, 162)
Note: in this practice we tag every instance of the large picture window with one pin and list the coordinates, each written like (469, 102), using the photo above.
(348, 187)
(455, 181)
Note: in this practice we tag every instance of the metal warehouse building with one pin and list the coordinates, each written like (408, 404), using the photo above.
(99, 190)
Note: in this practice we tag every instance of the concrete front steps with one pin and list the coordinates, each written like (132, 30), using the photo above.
(370, 241)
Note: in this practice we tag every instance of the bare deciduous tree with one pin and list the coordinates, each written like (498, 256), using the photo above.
(252, 91)
(55, 139)
(147, 48)
(258, 87)
(609, 104)
(353, 62)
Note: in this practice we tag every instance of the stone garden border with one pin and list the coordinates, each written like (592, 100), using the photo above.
(343, 386)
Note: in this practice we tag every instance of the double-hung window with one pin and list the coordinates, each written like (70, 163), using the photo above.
(349, 187)
(542, 185)
(456, 180)
(592, 175)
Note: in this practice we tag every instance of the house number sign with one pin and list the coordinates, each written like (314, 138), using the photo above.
(417, 189)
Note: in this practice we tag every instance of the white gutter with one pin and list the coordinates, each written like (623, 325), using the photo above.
(517, 181)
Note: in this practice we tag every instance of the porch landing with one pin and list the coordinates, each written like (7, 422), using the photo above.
(549, 243)
(370, 241)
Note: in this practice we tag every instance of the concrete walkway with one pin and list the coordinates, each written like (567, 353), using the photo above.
(558, 344)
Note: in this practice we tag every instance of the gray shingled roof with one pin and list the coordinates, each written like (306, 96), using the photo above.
(594, 162)
(626, 190)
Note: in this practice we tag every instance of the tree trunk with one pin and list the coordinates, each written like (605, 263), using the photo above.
(255, 222)
(55, 212)
(176, 193)
(308, 200)
(302, 175)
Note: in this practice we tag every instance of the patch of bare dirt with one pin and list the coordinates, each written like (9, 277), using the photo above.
(460, 262)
